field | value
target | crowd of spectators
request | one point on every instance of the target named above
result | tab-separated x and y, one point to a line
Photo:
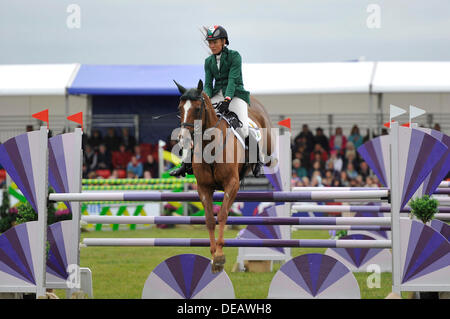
319	160
118	156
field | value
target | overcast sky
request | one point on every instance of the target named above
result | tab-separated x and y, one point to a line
167	32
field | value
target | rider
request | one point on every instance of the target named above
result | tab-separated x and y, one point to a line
225	67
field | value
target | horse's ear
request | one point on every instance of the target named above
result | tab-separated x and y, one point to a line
180	87
200	87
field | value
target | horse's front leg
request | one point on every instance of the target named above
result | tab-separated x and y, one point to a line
206	196
231	188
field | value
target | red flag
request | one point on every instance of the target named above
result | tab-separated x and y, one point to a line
77	118
406	124
285	123
42	116
387	124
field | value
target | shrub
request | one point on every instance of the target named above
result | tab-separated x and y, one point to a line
424	208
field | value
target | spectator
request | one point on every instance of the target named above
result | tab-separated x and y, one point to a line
95	140
299	169
135	167
309	137
321	139
103	158
90	159
316	167
150	167
329	177
338	141
437	127
121	158
351	172
128	140
305	181
111	141
318	149
316	179
138	153
344	179
364	169
336	160
351	159
355	137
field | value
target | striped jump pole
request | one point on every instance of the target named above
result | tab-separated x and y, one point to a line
444	184
281	196
194	242
438	191
355	208
256	220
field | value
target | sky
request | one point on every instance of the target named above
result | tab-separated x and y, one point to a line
168	32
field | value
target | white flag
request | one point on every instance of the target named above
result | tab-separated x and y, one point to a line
395	111
415	112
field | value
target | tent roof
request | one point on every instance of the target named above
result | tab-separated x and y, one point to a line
304	78
134	79
411	77
271	78
36	79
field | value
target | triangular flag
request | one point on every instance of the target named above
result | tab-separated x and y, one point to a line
77	118
388	124
415	112
395	111
407	124
285	123
42	116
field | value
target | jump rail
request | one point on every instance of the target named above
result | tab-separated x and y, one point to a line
281	196
192	242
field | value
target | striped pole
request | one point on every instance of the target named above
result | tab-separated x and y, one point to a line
255	220
283	196
444	184
138	181
194	242
354	208
438	191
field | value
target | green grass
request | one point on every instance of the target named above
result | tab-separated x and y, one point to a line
120	272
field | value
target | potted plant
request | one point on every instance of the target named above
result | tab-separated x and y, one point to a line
424	208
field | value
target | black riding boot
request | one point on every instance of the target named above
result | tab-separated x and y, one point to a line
257	166
182	170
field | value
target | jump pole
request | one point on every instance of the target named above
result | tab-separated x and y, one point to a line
438	191
255	220
192	242
280	196
354	208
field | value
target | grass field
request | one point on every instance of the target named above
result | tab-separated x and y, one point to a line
120	272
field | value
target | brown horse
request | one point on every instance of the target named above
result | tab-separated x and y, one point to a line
227	168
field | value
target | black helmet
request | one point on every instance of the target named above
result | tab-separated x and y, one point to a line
217	32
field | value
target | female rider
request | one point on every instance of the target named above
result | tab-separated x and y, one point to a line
225	67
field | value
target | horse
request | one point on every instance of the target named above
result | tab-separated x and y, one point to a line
228	167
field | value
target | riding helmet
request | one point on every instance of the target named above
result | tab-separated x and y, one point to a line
217	32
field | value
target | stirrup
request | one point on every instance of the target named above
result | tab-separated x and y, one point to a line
257	169
182	170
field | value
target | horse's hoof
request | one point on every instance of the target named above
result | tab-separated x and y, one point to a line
218	264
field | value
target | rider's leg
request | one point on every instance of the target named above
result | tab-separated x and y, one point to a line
239	106
186	165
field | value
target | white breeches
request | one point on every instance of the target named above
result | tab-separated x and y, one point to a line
238	106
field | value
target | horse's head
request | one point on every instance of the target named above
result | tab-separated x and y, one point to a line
192	108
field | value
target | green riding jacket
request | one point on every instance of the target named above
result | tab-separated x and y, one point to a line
228	78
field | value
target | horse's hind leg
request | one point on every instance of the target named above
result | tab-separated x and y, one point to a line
230	191
206	196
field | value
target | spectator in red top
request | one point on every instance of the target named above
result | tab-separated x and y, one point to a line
318	149
121	158
338	141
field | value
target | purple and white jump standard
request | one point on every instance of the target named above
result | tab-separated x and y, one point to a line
264	196
194	242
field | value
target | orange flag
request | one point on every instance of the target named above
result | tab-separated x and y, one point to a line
285	123
42	116
77	118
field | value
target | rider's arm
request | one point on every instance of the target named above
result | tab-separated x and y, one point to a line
235	73
208	80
